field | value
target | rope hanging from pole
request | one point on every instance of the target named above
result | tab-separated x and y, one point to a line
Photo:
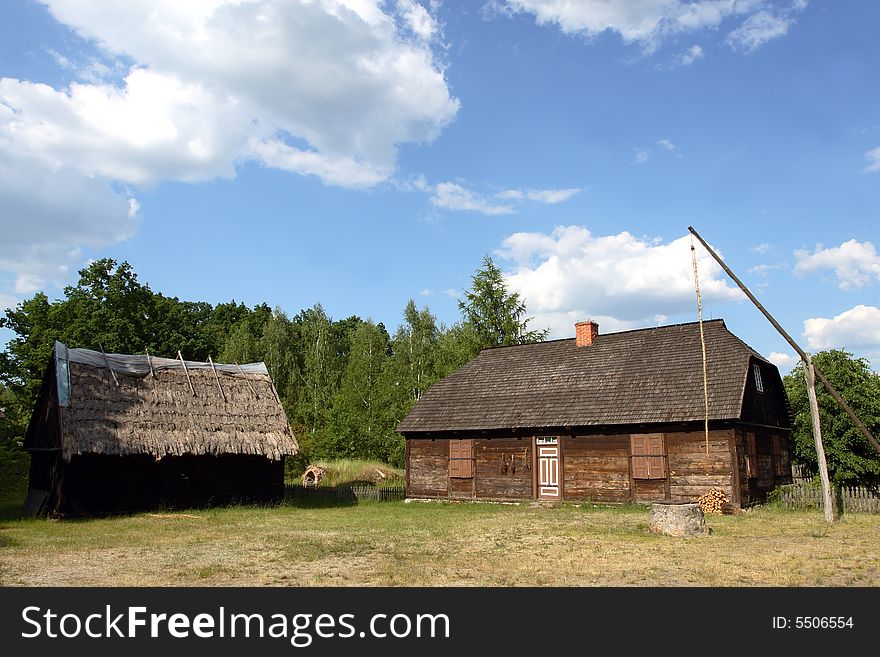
702	343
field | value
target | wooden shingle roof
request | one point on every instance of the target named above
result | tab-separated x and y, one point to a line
644	376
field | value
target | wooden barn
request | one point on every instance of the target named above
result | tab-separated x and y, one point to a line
114	433
614	418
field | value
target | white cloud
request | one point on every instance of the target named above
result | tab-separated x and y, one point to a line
855	263
548	196
426	292
855	329
187	91
570	274
452	293
757	30
328	88
873	158
641	156
667	144
453	196
783	361
763	269
649	22
46	215
417	18
691	55
761	248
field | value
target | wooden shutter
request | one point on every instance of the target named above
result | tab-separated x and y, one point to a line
648	456
461	459
658	456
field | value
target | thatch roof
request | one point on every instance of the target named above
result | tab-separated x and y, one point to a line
650	375
150	408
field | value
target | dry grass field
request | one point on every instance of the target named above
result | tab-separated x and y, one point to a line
438	544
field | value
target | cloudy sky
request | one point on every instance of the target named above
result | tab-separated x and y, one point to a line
359	153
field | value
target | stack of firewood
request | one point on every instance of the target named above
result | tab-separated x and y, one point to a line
713	501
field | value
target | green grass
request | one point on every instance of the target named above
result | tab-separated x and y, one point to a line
14	466
431	544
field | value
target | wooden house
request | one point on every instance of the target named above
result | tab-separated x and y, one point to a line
616	417
116	433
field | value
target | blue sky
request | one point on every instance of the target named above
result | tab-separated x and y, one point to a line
360	153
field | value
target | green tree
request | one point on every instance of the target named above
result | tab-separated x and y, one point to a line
360	419
851	459
496	315
317	371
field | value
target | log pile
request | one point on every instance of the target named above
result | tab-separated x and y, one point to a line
713	501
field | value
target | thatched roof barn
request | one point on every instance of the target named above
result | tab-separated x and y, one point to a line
114	432
610	417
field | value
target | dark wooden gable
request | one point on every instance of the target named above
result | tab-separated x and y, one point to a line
767	405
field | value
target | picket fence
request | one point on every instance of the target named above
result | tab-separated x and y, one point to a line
808	495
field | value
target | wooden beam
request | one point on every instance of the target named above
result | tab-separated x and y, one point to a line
794	345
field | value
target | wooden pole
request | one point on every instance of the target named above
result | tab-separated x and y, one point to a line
217	376
150	362
247	380
794	345
107	362
809	374
702	343
186	371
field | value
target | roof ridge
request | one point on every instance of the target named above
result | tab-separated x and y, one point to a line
635	330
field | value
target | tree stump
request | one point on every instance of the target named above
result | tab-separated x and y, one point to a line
677	519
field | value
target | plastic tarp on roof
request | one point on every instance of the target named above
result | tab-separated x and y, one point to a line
132	365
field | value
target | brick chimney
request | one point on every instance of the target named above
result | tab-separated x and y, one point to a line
585	333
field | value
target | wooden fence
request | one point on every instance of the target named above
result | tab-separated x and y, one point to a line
344	494
808	495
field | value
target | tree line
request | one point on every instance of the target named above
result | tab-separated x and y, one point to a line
345	384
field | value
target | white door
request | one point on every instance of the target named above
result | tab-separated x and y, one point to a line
548	471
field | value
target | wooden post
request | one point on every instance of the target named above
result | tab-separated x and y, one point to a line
810	376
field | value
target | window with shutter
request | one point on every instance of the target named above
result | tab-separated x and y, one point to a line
648	456
461	459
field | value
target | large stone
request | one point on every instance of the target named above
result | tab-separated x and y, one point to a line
674	519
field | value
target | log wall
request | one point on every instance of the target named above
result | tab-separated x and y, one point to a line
428	468
593	467
503	469
596	468
691	473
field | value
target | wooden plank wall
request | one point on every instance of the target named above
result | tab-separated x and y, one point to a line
691	474
503	469
648	490
597	468
428	468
